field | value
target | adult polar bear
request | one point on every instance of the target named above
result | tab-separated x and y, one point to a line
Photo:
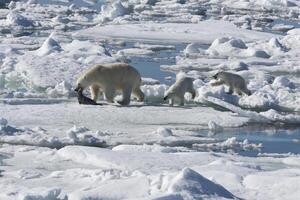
109	78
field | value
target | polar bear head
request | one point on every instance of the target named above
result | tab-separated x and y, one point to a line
82	83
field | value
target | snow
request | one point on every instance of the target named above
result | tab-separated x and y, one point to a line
53	148
88	172
204	32
49	68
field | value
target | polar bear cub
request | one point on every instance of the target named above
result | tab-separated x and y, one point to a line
233	81
110	78
178	89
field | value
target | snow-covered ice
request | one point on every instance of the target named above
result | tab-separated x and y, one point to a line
53	148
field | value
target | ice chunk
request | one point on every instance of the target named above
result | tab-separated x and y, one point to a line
274	43
273	115
63	89
283	82
149	2
282	27
191	50
256	53
231	42
231	144
116	9
238	66
12	5
76	129
134	51
3	122
15	19
49	46
164	132
154	47
214	127
60	19
150	81
32	1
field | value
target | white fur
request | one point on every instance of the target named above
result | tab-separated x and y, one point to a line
178	89
112	77
234	81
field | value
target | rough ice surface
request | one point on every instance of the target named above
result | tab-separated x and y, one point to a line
53	148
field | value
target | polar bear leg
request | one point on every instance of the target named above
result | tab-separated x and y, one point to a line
110	94
139	94
126	95
193	92
171	102
245	90
181	101
217	83
94	92
230	91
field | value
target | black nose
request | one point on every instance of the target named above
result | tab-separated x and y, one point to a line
78	89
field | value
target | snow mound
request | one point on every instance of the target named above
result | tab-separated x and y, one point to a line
229	47
238	66
49	46
274	116
43	194
164	132
116	9
154	92
56	66
14	19
252	52
63	89
276	45
214	127
282	82
225	45
192	185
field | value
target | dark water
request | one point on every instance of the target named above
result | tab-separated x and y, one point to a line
149	66
273	140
